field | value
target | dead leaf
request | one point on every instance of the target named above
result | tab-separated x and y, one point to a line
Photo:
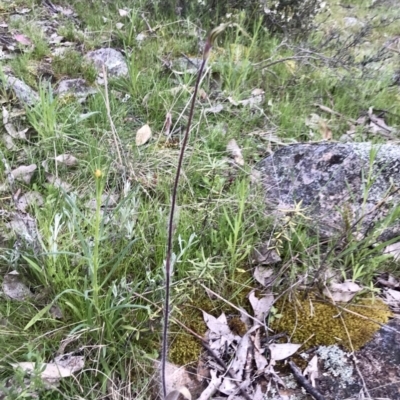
24	226
69	361
23	10
261	306
394	250
264	275
178	378
219	335
312	370
123	13
265	254
140	37
214	109
281	351
325	130
219	326
168	124
64	11
143	135
319	124
229	387
395	294
378	125
22	39
257	97
14	288
234	151
259	358
176	394
63	366
391	282
24	173
212	387
202	94
258	394
239	361
67	159
29	199
58	183
10	129
342	292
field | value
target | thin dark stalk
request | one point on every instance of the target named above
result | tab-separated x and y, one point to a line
171	223
207	48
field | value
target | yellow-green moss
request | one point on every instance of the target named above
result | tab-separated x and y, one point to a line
184	348
322	323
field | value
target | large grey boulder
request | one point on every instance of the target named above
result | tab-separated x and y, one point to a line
338	185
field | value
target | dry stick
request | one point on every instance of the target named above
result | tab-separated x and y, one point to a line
210	40
170	235
304	382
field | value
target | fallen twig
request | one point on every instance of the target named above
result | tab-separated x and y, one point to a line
304	382
333	112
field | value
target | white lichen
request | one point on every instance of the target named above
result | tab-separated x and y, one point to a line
336	363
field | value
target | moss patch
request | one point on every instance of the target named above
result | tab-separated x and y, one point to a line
185	348
321	323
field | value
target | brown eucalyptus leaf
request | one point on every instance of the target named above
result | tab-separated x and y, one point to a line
24	173
143	135
342	292
261	306
67	159
235	152
281	351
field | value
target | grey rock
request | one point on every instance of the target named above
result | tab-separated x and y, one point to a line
339	186
188	65
378	363
77	87
23	92
352	21
112	59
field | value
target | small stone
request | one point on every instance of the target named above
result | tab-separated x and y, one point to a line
112	59
77	87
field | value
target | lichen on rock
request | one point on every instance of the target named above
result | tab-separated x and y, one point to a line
338	185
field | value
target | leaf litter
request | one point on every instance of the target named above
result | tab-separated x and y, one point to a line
235	152
249	358
143	135
14	288
63	366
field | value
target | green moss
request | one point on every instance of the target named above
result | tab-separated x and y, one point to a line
185	348
316	323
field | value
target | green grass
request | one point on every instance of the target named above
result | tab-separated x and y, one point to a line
100	263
